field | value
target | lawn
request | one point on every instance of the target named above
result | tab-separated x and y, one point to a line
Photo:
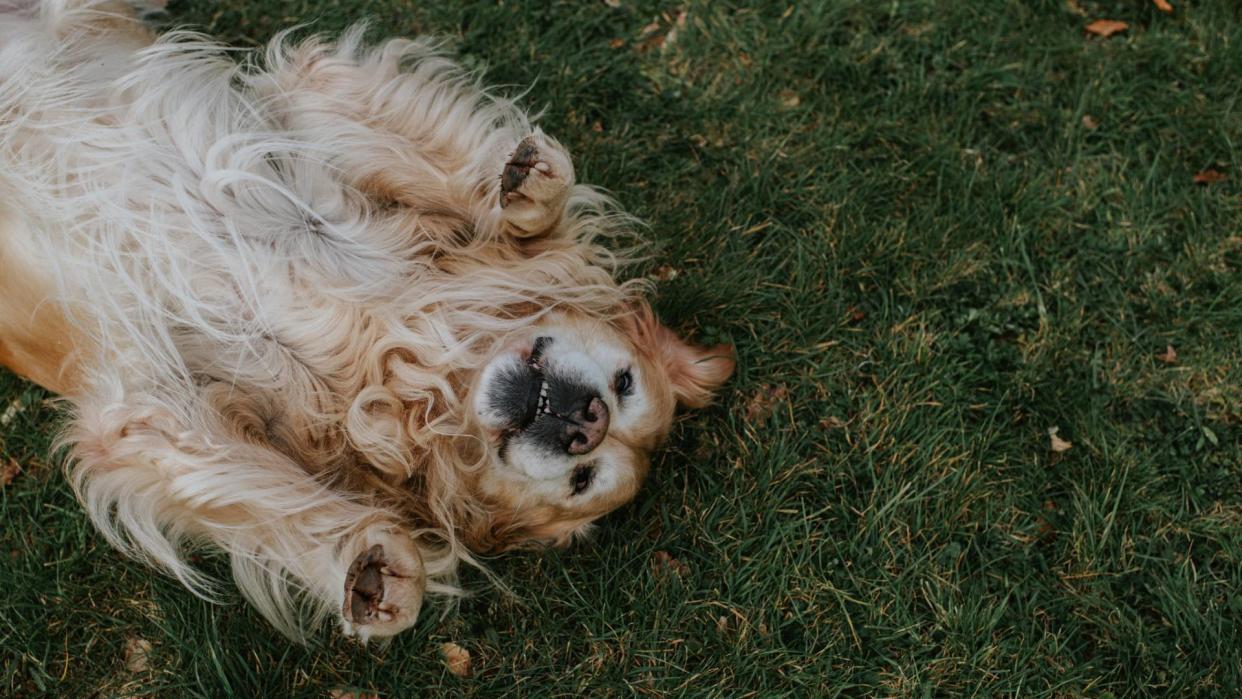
935	231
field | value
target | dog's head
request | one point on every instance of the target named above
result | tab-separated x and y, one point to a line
571	410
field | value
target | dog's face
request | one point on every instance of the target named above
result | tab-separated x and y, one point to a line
571	411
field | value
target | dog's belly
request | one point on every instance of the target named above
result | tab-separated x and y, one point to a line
37	340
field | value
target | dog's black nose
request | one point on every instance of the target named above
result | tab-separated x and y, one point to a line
587	426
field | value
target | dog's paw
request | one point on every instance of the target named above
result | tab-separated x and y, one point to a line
534	186
383	588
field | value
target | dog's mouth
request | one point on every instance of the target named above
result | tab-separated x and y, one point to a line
537	402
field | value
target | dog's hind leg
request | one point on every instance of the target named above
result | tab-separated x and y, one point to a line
406	125
151	482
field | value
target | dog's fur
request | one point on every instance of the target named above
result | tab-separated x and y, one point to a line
281	298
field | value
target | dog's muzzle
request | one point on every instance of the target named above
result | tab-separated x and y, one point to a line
550	409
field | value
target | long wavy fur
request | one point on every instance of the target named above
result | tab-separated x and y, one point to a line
271	325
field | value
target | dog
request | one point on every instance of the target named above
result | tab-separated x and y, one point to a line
331	308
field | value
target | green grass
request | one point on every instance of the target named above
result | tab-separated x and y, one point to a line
926	260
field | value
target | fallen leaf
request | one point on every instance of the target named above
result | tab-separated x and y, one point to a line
760	406
1044	527
137	652
597	127
1058	445
655	42
1106	27
1163	6
1210	176
790	99
616	43
679	21
653	39
665	273
1089	122
662	562
1073	6
8	471
1169	356
456	659
613	3
856	315
351	694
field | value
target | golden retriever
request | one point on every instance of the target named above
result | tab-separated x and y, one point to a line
332	308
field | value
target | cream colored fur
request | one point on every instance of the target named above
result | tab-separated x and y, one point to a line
283	270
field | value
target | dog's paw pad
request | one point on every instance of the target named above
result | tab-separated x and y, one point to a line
534	186
364	586
523	161
381	597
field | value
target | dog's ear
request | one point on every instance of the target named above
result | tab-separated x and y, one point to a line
695	372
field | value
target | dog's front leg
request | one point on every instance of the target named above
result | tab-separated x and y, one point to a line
153	478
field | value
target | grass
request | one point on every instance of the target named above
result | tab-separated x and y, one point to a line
934	230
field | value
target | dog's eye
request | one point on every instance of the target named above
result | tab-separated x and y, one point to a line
582	477
623	384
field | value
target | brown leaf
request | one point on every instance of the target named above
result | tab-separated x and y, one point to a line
665	273
655	42
679	21
1169	356
137	653
613	3
1106	27
351	694
1089	122
1044	527
616	43
722	624
1073	6
1163	6
790	99
1057	444
651	36
456	659
8	471
1210	176
663	563
760	406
